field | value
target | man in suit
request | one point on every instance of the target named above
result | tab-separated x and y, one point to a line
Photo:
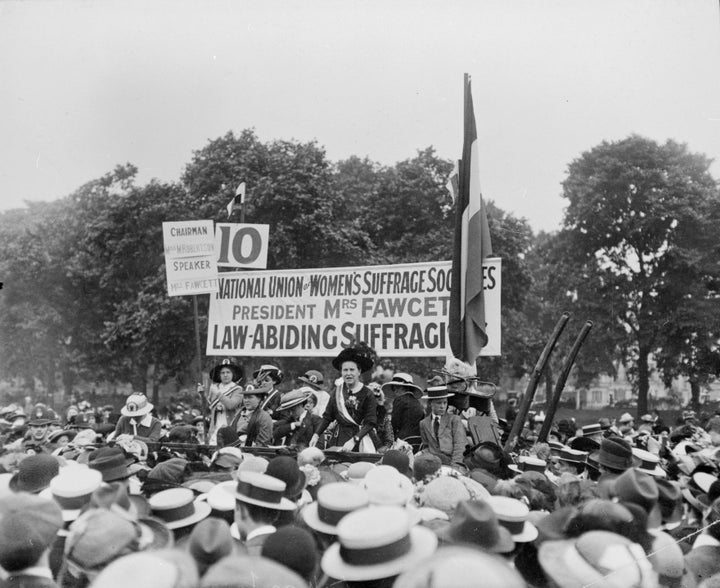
443	434
297	424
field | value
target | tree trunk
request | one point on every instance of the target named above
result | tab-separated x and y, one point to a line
695	394
643	381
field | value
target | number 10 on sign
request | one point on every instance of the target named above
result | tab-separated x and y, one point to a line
242	245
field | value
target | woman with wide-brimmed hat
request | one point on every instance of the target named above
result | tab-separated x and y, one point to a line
137	419
352	406
224	396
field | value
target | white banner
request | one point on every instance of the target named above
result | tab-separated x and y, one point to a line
399	310
190	259
242	245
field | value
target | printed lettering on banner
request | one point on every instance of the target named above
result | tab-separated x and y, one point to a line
190	260
399	310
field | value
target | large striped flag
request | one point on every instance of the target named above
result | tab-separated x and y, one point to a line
472	245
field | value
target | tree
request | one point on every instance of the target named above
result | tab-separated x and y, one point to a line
630	243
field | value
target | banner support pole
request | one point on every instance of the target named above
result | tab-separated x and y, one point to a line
196	320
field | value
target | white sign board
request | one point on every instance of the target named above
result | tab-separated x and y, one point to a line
190	264
399	310
242	245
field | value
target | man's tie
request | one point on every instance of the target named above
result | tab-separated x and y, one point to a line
436	426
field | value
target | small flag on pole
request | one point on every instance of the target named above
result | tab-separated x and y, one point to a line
472	245
232	206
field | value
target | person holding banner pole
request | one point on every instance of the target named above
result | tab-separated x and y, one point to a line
352	406
223	398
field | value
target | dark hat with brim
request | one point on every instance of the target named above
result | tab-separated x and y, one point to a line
474	522
313	378
236	370
56	435
268	370
34	473
615	453
257	390
360	354
111	462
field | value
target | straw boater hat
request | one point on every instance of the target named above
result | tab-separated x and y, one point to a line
513	515
649	463
528	463
334	502
262	490
359	353
177	507
437	393
237	371
313	378
403	380
72	489
592	429
377	542
136	405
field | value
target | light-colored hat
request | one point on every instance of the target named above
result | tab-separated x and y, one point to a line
295	397
377	542
357	471
222	496
403	380
461	567
177	507
703	480
136	405
388	487
513	515
262	490
334	502
72	489
626	418
649	463
437	393
528	463
598	558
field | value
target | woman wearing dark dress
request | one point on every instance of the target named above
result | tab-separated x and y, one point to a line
352	405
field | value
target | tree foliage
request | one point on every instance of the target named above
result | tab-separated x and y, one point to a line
635	244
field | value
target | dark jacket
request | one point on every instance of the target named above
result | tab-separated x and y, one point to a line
301	435
407	412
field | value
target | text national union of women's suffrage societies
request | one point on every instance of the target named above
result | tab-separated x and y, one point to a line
399	310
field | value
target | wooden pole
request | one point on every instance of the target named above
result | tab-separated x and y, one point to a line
197	338
533	382
562	378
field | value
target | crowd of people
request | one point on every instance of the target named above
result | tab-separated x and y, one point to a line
353	484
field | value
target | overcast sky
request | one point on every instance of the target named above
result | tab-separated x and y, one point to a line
87	85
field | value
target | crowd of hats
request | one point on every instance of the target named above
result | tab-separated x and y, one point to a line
610	503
